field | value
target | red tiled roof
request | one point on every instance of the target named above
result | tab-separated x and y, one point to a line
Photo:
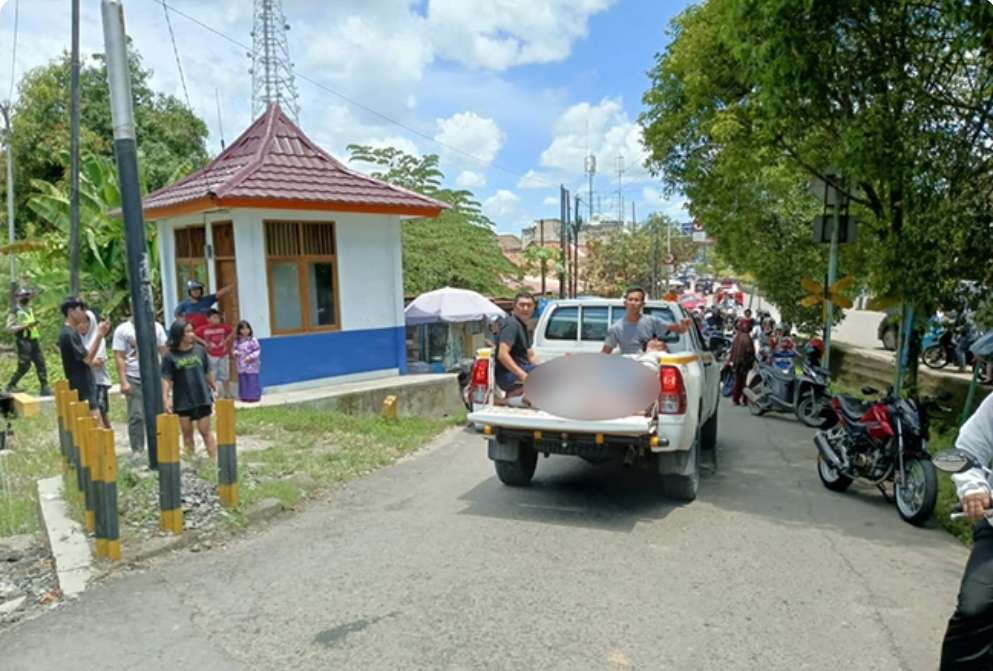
274	165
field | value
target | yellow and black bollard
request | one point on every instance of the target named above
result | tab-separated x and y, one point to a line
61	391
105	490
77	410
170	496
227	454
96	456
85	430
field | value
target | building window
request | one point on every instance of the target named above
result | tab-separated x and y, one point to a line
190	261
302	268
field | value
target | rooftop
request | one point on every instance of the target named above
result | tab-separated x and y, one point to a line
274	165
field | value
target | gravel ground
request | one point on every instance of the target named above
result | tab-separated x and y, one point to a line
27	578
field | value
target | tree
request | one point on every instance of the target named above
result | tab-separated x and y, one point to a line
458	248
752	99
623	258
169	134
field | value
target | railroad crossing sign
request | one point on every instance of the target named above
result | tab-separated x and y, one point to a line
820	293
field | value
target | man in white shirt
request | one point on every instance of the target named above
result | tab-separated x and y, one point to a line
968	640
125	346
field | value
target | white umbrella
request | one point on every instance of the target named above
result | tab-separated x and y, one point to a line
450	305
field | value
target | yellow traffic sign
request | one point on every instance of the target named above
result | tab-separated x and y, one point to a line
818	293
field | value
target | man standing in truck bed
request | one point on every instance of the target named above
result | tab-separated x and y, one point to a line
632	333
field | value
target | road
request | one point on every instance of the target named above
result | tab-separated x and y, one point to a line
433	564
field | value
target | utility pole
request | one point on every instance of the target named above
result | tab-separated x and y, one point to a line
634	218
576	228
563	250
832	274
125	150
590	172
541	257
220	122
74	155
10	202
620	190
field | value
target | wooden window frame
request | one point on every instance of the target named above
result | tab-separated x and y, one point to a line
196	262
302	261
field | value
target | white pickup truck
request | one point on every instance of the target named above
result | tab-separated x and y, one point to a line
667	439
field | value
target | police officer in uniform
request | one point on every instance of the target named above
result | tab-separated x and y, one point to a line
22	323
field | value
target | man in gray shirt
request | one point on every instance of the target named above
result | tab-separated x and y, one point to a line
635	330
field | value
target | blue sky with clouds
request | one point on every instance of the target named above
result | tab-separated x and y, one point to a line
526	87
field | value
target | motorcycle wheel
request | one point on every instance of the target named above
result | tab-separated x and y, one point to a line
917	495
757	409
935	357
830	477
809	411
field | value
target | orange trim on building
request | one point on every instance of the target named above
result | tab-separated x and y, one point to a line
211	203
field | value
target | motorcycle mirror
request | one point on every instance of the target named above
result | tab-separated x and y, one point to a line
869	391
953	460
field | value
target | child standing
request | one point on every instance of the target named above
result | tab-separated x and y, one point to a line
246	353
217	336
186	386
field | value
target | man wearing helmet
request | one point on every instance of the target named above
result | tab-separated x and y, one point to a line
22	324
194	309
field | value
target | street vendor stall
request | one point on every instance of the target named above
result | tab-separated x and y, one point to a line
447	325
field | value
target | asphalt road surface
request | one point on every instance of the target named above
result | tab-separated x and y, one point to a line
433	564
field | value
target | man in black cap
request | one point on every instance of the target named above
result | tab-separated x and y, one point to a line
22	323
76	358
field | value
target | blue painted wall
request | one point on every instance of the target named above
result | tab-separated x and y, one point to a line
297	358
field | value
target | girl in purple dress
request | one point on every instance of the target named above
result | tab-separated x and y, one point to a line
246	355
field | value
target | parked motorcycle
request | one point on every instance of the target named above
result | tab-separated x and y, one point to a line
775	386
878	442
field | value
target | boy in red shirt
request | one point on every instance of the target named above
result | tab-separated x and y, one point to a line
217	337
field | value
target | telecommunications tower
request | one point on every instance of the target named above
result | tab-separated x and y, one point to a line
272	70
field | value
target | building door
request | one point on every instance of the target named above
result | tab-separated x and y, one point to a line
226	270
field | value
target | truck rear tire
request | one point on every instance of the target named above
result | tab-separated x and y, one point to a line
684	487
518	473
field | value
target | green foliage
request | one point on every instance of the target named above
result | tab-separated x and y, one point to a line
170	136
458	248
752	99
103	264
624	258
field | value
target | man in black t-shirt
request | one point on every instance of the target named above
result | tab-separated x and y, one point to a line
515	359
76	358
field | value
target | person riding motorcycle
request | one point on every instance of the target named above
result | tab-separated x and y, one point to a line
968	642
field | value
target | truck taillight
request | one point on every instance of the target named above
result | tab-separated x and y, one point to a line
480	380
672	391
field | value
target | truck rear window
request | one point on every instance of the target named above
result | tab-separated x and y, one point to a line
563	324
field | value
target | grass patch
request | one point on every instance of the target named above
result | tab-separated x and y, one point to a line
315	449
33	453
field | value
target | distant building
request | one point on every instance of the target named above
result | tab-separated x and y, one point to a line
545	231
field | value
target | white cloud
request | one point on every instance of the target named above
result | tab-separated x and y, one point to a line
468	179
552	200
498	34
501	205
606	131
672	207
533	179
467	132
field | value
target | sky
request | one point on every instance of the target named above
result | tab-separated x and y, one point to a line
511	94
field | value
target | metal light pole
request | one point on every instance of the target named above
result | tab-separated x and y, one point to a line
125	149
74	156
10	202
832	273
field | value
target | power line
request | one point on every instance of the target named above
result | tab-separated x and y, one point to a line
175	51
13	55
350	101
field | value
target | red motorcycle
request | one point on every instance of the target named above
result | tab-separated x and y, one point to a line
880	442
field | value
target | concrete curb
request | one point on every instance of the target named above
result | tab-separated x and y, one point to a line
65	538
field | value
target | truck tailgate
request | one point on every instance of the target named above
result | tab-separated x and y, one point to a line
539	420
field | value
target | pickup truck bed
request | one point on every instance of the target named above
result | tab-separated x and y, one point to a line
538	420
